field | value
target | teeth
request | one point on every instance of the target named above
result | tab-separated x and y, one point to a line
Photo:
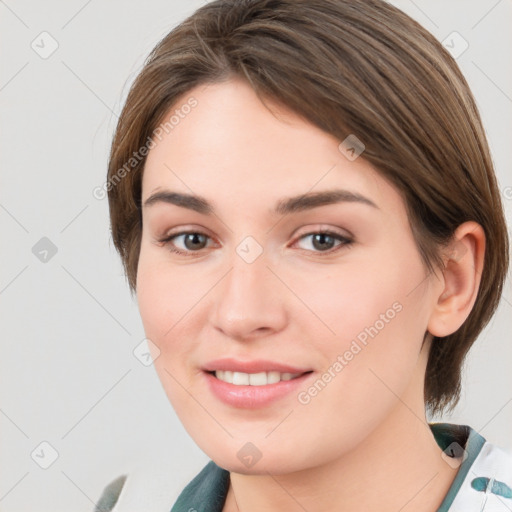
253	379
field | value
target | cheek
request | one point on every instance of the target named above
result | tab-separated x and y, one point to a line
155	300
353	299
377	314
163	300
165	295
172	305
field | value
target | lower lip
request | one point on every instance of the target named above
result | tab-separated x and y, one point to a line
253	397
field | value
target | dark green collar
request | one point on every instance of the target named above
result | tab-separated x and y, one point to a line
207	491
446	434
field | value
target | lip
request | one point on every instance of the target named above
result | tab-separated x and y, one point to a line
253	397
254	366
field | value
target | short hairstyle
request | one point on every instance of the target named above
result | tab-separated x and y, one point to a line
358	67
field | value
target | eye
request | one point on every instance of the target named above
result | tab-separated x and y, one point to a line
193	241
324	241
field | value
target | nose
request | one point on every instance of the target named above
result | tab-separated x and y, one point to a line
250	301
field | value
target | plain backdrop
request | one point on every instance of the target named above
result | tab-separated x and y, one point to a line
69	377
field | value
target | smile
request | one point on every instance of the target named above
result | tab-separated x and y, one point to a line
254	390
253	379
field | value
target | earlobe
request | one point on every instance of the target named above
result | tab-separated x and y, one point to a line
463	265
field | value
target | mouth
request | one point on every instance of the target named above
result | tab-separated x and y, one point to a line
254	379
245	390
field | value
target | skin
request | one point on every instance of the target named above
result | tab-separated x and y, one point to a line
363	441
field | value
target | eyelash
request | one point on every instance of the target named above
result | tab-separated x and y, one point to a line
345	242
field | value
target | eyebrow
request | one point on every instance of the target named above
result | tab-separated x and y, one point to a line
284	206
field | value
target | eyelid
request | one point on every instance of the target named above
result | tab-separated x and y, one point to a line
323	228
182	230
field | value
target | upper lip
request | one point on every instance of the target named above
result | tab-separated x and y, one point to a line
254	366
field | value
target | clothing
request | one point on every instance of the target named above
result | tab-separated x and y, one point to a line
483	482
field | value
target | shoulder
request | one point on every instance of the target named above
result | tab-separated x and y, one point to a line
484	479
149	485
488	484
110	495
493	467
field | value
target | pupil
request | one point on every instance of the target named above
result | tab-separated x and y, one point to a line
322	237
193	237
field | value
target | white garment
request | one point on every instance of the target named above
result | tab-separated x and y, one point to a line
152	487
492	463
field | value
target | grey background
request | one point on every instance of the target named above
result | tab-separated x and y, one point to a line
69	327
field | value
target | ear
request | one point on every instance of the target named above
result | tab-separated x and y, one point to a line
463	264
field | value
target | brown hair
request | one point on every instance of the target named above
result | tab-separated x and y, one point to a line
358	67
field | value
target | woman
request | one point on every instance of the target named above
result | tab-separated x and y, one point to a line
304	202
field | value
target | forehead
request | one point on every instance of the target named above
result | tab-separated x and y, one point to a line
231	147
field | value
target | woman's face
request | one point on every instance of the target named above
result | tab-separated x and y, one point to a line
261	289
